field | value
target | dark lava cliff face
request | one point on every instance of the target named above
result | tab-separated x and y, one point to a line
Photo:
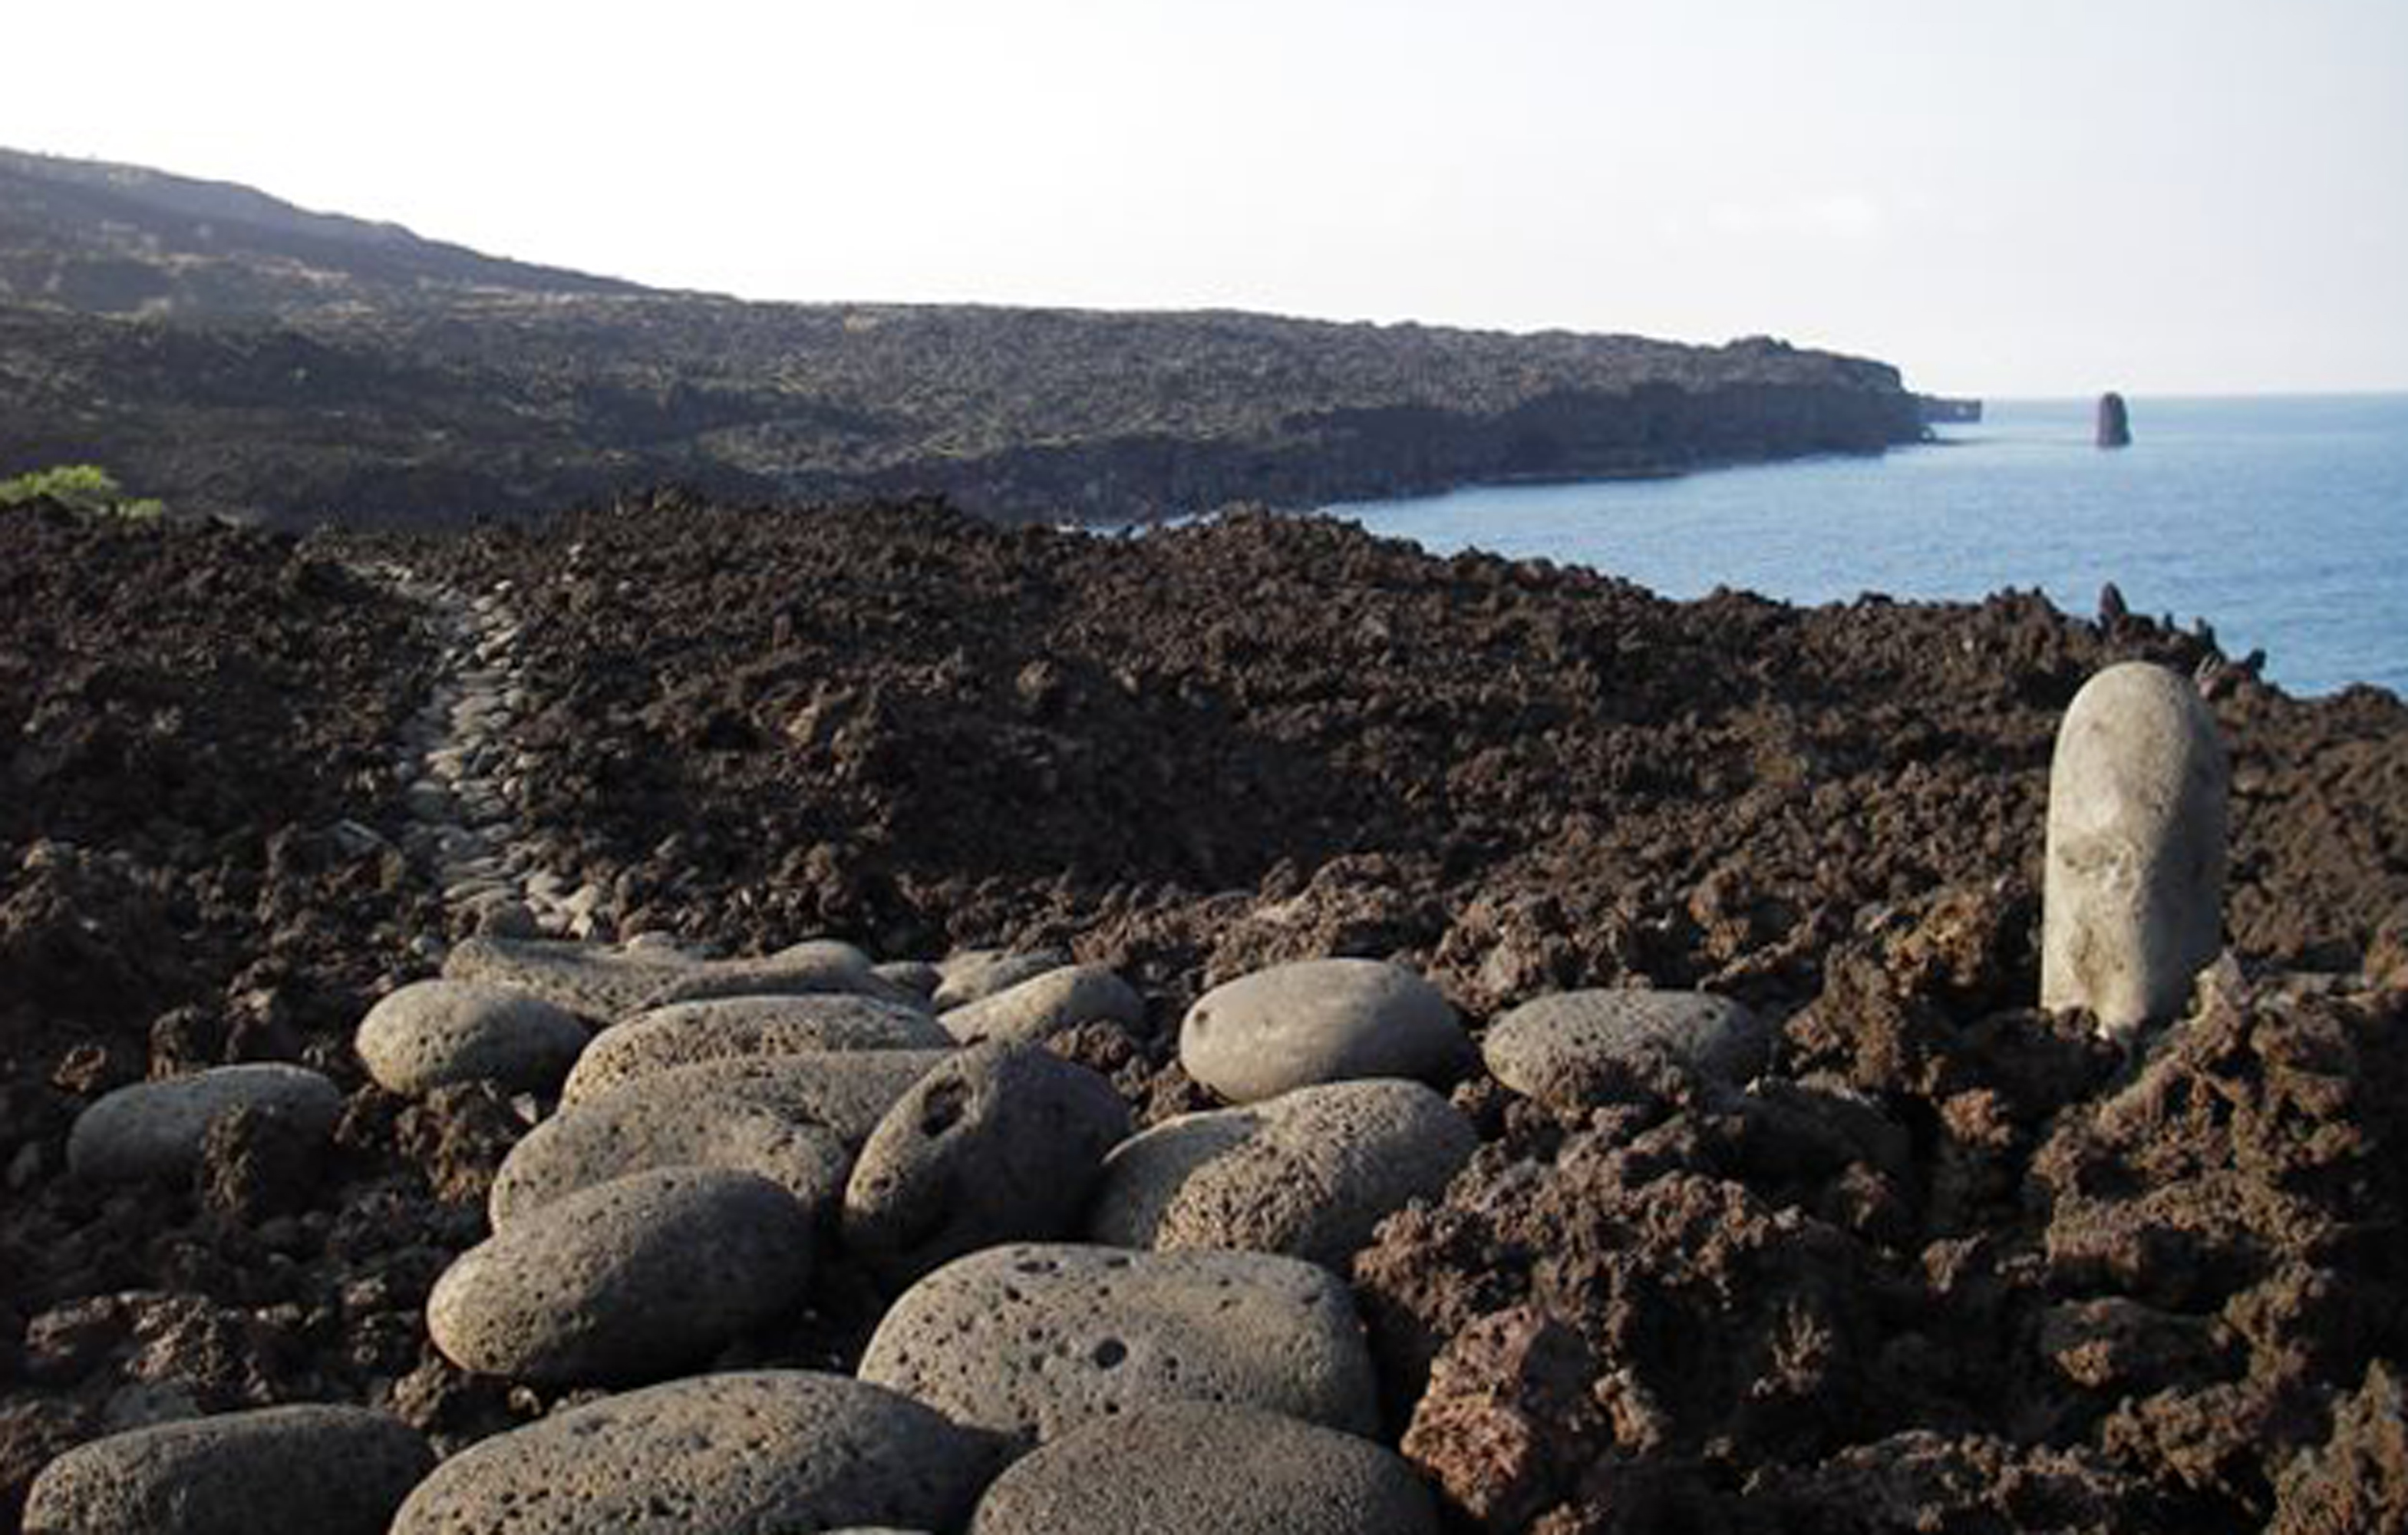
1950	1265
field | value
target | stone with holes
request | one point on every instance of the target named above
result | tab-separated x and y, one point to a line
1308	1173
761	1450
1003	1141
1315	1021
1580	1049
723	1029
629	1279
1178	1467
431	1033
1032	1339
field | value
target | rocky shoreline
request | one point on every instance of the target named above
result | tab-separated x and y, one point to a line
1884	1248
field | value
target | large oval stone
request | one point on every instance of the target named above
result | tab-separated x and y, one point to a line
2132	907
1045	1005
1032	1339
1177	1468
586	979
722	1028
276	1470
1316	1021
765	1451
1002	1142
808	968
1580	1049
970	974
694	1116
1308	1173
432	1033
627	1280
155	1129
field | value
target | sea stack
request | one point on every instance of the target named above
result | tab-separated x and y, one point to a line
2114	422
2131	906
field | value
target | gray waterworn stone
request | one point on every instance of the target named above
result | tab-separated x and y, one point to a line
1315	1021
1045	1005
431	1033
1032	1339
683	1033
586	979
154	1129
916	976
1180	1467
766	1451
1004	1142
2132	902
1580	1049
970	974
810	969
688	1117
1308	1173
276	1470
627	1280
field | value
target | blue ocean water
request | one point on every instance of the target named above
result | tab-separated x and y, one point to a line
2283	521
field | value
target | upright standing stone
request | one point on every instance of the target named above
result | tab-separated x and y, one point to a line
2132	904
2114	422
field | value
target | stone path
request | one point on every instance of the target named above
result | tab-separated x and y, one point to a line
466	778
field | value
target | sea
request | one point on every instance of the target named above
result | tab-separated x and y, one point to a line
2282	521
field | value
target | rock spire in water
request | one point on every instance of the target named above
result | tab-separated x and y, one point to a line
2114	422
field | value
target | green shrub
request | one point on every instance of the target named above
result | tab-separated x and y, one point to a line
85	487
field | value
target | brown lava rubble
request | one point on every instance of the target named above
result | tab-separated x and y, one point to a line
1951	1266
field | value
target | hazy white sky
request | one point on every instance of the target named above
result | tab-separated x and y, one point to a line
2025	196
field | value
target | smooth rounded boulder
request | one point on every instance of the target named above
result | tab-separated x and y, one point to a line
306	1470
626	1281
430	1034
1046	1005
155	1129
722	1028
814	967
1581	1048
1030	1341
763	1450
1002	1142
969	974
1318	1021
690	1117
1309	1173
1181	1466
2132	907
585	978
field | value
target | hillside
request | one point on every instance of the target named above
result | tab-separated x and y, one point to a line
232	353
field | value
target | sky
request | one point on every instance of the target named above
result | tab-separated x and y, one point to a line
2027	197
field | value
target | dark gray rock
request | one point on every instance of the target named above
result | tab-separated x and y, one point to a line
726	1027
1308	1173
973	974
766	1451
155	1129
432	1033
1581	1048
1183	1467
1002	1142
1317	1021
276	1470
1030	1341
1045	1005
628	1280
688	1117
